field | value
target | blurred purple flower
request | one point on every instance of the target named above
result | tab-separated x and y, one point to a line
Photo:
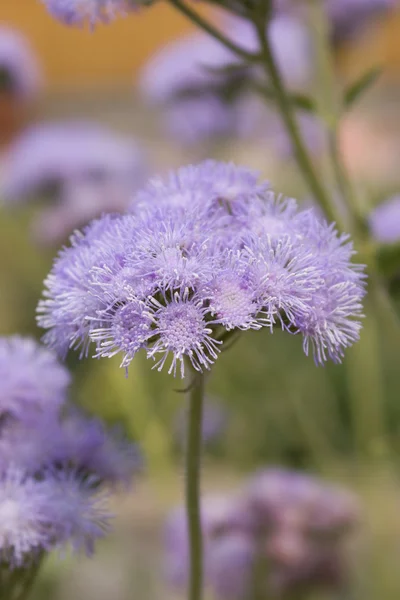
55	463
19	70
80	12
81	200
204	91
31	377
384	221
294	523
48	155
42	514
348	17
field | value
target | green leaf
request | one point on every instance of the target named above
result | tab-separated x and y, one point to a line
304	102
361	85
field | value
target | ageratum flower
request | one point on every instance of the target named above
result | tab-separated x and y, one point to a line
45	157
384	221
20	73
56	464
42	514
32	379
92	12
206	251
204	91
293	523
348	17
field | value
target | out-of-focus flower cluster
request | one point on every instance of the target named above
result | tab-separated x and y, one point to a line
205	92
91	12
81	168
20	74
384	221
56	464
206	252
286	532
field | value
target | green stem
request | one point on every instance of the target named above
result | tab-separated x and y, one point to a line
29	583
283	100
285	108
192	481
213	31
330	102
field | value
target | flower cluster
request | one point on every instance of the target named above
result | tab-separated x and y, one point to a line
82	168
348	17
286	532
205	91
92	12
205	252
384	221
55	463
19	71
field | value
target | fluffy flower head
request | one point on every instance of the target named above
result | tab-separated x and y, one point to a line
207	250
32	379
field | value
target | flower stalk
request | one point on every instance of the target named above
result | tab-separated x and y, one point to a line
192	482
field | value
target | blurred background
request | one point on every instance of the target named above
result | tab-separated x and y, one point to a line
78	134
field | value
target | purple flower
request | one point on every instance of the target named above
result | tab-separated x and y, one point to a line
384	221
203	90
31	377
42	514
209	249
348	17
77	510
24	517
79	201
80	12
202	188
180	325
45	157
19	71
292	524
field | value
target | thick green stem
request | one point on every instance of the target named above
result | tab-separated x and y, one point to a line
213	31
285	108
192	481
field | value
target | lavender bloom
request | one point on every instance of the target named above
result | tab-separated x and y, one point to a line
80	12
31	378
47	156
204	91
208	250
41	514
219	515
348	17
19	71
78	511
80	201
55	464
384	221
24	523
43	441
293	522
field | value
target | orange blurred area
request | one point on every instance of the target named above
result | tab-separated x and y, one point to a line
379	46
77	57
